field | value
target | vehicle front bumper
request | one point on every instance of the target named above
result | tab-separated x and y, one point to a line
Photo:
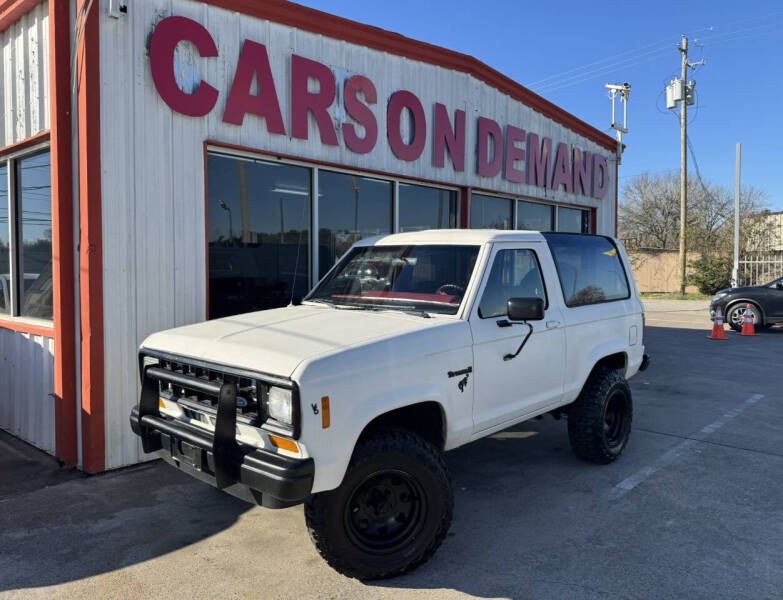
252	474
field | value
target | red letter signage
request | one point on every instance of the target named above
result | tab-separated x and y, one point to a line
514	153
582	174
538	160
168	33
487	128
562	175
303	101
446	137
400	101
254	61
600	176
361	114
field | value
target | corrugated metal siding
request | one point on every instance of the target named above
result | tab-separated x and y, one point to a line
24	75
27	387
153	167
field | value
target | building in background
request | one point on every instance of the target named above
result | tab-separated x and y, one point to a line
208	158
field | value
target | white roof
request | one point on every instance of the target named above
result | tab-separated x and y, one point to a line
452	236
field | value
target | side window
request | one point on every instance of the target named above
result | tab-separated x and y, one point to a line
589	268
514	274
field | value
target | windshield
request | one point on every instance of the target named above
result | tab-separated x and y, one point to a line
422	278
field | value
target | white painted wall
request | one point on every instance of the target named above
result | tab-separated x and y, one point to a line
24	77
26	361
153	167
27	387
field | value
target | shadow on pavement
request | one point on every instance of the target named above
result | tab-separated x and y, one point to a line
58	525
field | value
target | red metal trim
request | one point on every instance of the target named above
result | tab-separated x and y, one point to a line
25	327
316	21
206	227
465	194
91	243
12	10
38	138
62	234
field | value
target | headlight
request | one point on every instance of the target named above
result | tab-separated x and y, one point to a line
279	405
719	296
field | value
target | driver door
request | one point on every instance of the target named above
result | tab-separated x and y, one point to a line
507	390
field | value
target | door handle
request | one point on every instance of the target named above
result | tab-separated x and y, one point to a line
552	324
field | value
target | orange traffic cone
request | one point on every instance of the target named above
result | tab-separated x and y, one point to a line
748	328
718	333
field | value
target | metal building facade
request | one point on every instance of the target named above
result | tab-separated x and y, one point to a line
136	203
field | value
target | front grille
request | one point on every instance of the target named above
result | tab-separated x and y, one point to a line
196	388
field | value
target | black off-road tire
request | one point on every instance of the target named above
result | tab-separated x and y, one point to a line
384	456
593	438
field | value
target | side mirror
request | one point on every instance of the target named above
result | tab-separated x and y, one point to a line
525	309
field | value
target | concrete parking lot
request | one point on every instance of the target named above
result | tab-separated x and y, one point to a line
692	510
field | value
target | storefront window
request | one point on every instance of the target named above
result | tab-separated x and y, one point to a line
350	208
490	212
34	182
424	207
259	234
5	256
535	216
573	220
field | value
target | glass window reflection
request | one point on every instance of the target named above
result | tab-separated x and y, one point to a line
34	183
350	208
490	212
423	207
5	255
259	234
535	216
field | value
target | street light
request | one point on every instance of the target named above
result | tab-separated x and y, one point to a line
225	207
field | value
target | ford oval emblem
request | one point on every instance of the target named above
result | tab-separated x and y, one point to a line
241	402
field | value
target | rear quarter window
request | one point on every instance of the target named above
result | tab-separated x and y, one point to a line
589	268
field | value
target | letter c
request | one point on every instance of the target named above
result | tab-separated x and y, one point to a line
168	33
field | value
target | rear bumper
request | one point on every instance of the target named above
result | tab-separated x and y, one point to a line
255	475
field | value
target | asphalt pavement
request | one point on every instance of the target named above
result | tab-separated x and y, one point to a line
691	510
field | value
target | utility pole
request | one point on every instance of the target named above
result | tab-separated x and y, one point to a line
683	165
738	167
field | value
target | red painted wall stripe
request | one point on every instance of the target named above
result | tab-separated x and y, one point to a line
315	21
62	233
38	138
90	243
26	327
12	10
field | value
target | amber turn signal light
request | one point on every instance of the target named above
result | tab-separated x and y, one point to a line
284	443
325	417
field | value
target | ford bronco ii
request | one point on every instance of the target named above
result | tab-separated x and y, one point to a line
412	344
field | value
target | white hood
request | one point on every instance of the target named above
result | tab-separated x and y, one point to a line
277	341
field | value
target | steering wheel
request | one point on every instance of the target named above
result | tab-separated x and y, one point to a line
450	289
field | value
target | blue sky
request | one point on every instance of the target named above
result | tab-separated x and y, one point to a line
739	91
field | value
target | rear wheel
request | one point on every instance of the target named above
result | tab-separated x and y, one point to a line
599	421
735	316
391	512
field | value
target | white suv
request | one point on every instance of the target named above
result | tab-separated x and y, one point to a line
411	345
